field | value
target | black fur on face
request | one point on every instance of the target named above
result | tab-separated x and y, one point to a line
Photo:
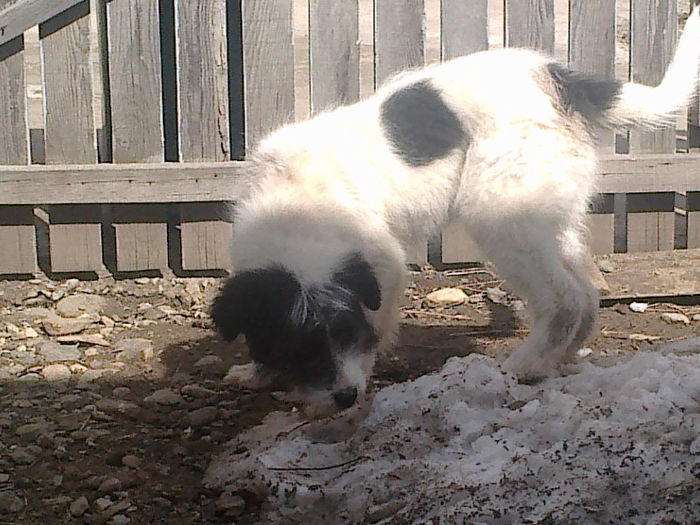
297	331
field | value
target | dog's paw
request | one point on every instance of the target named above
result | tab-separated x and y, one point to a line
247	377
527	369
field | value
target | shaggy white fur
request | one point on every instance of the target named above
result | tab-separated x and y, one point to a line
516	167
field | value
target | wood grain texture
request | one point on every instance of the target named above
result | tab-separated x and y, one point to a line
530	23
601	232
694	229
592	47
203	246
268	62
141	247
654	30
16	16
650	231
202	77
123	183
334	53
14	133
17	238
399	36
75	248
67	81
464	27
135	80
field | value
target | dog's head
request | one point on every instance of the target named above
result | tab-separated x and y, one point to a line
316	339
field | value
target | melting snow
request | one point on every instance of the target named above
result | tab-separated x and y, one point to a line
470	444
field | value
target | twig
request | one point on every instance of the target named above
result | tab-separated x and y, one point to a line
329	467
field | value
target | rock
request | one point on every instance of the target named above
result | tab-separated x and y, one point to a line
131	461
210	365
29	333
81	303
198	391
447	297
231	504
71	284
86	339
56	372
52	351
605	266
496	295
121	391
4	478
22	456
672	317
696	317
584	352
56	325
10	503
79	506
202	416
164	396
31	431
135	349
119	519
639	308
109	485
103	503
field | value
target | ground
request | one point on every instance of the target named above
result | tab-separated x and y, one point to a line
111	404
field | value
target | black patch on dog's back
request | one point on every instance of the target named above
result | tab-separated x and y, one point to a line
420	126
586	95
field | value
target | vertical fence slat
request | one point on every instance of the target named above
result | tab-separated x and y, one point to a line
205	237
268	60
202	80
592	47
335	53
464	30
653	39
530	23
464	27
135	80
203	111
69	128
399	36
67	81
18	255
135	94
14	137
693	207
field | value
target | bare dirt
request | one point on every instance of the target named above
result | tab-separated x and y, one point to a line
117	422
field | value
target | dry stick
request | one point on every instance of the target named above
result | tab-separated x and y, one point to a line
329	467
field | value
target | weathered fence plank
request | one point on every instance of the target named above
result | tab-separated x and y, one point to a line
143	245
654	29
464	27
18	16
69	133
203	111
135	80
334	53
530	23
268	60
205	237
18	254
399	36
202	80
75	243
14	133
592	47
136	113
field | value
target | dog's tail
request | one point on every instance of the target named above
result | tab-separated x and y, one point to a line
652	107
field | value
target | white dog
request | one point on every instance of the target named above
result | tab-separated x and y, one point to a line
499	142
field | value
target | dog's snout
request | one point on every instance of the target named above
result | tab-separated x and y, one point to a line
346	397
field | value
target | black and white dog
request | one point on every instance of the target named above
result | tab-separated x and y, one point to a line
499	142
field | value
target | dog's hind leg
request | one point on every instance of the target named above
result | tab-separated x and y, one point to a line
530	255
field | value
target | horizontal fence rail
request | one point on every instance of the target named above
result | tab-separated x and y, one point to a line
146	109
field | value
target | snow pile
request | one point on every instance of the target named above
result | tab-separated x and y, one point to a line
469	443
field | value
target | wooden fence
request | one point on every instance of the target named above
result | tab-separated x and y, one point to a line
137	179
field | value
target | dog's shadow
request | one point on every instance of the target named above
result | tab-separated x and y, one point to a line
424	349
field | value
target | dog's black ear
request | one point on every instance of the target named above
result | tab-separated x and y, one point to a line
357	276
254	302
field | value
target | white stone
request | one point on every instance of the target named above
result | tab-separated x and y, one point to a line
447	297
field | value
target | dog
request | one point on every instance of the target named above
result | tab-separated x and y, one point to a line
500	142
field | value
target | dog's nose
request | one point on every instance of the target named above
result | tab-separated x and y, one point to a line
346	397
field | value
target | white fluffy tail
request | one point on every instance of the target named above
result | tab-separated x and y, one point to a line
653	107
